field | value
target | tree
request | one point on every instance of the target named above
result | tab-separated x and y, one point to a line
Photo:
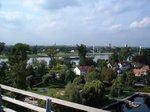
130	78
17	72
147	79
51	52
90	62
93	93
3	68
48	78
144	57
73	92
40	67
101	63
69	76
118	85
82	51
125	53
2	45
34	50
114	58
108	74
93	75
79	80
30	81
18	53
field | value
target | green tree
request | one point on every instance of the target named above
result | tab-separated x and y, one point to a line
147	79
51	52
144	57
73	92
130	78
49	78
40	67
101	63
118	85
30	81
69	76
108	74
125	53
93	93
82	51
79	80
18	53
3	68
93	75
17	72
2	45
114	57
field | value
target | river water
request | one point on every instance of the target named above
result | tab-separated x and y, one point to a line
144	107
47	59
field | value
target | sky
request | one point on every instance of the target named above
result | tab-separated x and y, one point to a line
71	22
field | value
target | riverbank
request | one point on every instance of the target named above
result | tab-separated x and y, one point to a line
61	54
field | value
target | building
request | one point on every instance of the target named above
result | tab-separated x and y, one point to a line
81	70
141	72
124	66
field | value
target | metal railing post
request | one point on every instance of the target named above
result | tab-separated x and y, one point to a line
0	100
48	105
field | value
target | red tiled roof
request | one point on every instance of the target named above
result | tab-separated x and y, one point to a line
137	71
145	68
84	68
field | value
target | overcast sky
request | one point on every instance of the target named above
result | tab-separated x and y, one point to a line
71	22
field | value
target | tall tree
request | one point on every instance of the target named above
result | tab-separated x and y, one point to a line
108	74
144	57
125	53
130	78
93	93
69	76
93	75
3	68
2	45
51	52
114	57
17	73
82	51
118	85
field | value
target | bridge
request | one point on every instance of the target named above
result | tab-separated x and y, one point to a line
121	100
49	101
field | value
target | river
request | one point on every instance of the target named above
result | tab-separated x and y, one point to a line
47	59
144	107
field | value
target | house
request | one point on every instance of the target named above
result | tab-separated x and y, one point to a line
136	65
124	66
145	70
137	72
81	70
141	72
114	66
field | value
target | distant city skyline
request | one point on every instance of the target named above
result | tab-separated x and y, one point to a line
71	22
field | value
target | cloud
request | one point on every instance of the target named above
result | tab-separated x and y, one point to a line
50	4
145	22
116	27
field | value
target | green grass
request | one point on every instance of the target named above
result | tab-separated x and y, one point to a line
53	90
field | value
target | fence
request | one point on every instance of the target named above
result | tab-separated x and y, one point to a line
48	100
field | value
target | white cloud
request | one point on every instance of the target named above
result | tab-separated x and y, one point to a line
116	27
145	22
10	16
49	4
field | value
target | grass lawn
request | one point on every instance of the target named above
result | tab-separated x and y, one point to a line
53	90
